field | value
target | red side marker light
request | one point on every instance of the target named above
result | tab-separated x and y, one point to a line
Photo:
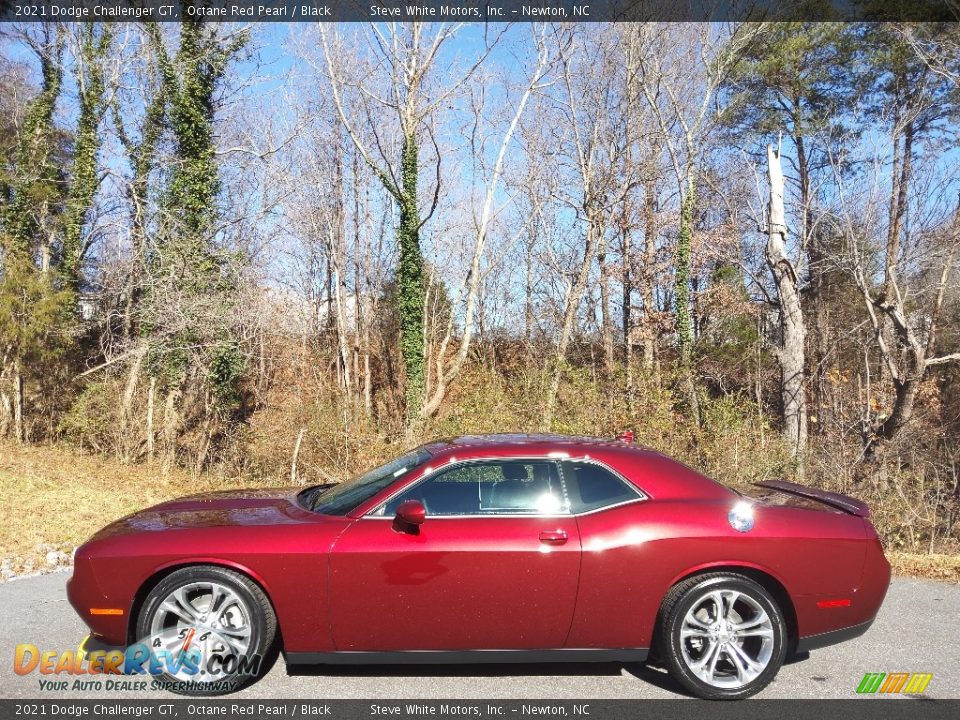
843	602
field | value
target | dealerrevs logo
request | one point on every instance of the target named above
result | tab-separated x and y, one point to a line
894	683
187	664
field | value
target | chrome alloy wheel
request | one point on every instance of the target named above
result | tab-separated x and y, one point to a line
206	616
726	639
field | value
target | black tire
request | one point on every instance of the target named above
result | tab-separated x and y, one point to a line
691	592
262	621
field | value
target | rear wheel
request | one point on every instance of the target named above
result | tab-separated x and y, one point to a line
722	636
210	629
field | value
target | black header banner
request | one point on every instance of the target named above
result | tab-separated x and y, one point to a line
477	10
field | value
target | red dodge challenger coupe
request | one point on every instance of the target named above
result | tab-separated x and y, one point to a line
503	548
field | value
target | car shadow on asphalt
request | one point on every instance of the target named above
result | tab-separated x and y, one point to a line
647	673
651	672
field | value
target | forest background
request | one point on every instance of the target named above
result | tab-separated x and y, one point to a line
269	254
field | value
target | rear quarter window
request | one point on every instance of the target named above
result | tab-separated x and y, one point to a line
592	487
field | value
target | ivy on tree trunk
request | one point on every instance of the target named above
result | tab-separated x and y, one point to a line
410	280
681	280
189	207
35	182
86	145
35	315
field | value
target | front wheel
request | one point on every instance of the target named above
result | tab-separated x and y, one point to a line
209	630
722	635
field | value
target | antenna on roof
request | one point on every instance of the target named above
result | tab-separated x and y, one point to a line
626	437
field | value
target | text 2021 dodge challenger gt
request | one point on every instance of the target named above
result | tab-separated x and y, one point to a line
490	548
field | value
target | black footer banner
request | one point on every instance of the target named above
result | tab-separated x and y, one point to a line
681	709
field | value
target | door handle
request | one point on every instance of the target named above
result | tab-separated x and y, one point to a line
553	537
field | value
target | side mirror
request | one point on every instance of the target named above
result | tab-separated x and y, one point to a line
412	512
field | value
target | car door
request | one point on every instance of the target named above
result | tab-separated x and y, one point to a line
614	524
494	566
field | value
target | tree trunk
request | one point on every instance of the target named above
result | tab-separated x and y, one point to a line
906	363
6	412
343	334
123	444
337	252
899	190
141	158
528	295
627	300
410	281
815	245
367	388
171	423
151	395
569	316
359	319
6	403
683	322
792	333
649	258
428	378
45	251
86	145
294	473
207	442
606	322
683	319
19	431
328	320
820	341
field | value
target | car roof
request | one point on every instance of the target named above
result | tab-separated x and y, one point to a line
658	475
494	440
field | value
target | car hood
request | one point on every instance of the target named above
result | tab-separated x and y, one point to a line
270	506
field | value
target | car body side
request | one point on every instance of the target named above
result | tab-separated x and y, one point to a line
824	565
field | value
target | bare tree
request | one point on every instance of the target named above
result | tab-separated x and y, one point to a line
583	105
790	350
903	280
403	82
680	70
468	291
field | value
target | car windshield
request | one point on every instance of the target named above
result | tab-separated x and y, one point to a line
348	496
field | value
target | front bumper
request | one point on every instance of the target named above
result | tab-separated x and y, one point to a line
86	597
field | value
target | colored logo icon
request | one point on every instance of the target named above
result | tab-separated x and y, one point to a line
894	683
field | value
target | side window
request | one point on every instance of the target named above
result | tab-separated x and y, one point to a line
591	487
496	488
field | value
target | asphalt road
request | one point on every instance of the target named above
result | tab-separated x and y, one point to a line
917	631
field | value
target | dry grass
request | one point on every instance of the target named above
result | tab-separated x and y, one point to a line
52	498
930	567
